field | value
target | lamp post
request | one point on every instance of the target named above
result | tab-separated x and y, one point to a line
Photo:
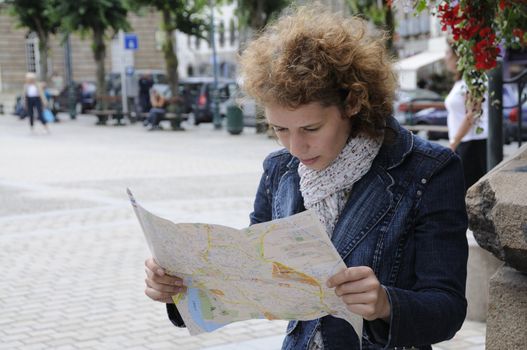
495	121
72	100
216	119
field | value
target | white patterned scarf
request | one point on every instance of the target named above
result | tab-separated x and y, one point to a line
327	190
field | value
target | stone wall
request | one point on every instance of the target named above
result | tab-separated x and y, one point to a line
497	209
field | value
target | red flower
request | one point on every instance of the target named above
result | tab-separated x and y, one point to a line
486	51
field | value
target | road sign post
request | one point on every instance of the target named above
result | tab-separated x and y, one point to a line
130	43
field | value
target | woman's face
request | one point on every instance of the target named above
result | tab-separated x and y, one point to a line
313	133
451	60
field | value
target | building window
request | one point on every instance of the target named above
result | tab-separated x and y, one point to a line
32	53
232	32
221	31
198	42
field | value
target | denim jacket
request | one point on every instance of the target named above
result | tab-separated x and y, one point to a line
406	219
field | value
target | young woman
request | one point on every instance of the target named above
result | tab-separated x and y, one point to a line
392	203
462	129
34	100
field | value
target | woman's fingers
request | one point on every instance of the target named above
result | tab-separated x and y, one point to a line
159	285
362	292
165	279
159	296
357	287
349	275
153	266
164	288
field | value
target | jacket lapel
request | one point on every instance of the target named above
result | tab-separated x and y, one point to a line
369	201
290	199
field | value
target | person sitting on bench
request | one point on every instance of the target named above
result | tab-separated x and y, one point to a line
157	112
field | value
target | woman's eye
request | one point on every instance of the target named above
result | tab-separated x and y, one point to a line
311	129
277	129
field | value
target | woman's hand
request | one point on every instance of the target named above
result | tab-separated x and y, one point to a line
160	286
362	292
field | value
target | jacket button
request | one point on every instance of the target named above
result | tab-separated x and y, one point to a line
423	181
267	178
419	193
267	190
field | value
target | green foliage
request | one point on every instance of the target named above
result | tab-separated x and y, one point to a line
380	13
368	9
36	16
95	17
257	13
186	16
92	15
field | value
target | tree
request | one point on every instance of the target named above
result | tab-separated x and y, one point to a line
257	13
380	13
94	17
37	16
184	16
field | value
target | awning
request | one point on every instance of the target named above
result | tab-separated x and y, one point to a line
407	68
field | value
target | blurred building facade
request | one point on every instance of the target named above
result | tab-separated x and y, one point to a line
19	50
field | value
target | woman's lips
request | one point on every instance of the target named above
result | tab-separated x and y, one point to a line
309	161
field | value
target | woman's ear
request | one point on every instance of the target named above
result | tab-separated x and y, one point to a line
352	110
352	105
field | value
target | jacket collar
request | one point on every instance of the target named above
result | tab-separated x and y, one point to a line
397	145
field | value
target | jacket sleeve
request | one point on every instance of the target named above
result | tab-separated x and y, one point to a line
434	308
263	201
175	316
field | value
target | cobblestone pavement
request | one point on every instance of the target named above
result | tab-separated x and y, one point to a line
71	257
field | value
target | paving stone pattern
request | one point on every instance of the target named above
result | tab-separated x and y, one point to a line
72	252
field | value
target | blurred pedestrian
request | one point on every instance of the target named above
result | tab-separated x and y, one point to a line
157	111
392	203
145	84
466	132
35	101
57	84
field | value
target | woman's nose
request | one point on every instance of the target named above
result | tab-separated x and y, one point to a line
297	145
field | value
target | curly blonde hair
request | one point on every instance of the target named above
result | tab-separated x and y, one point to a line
313	55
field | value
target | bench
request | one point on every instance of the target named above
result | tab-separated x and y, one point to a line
104	115
173	118
108	107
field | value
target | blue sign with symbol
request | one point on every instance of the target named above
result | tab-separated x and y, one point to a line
131	42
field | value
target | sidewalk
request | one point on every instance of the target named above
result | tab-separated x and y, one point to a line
72	251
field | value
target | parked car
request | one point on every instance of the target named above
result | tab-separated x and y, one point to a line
511	127
437	116
410	101
432	116
198	98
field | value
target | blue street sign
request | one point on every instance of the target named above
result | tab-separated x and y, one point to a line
131	42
